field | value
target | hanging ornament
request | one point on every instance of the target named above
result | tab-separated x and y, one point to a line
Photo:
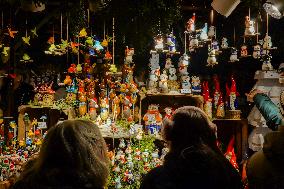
266	65
193	43
191	24
224	44
171	42
6	51
234	55
27	38
244	51
203	34
212	32
256	51
159	43
211	60
83	33
26	58
250	27
34	32
11	33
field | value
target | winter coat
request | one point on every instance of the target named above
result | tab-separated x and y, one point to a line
197	168
265	169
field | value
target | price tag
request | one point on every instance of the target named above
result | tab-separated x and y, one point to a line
185	91
42	125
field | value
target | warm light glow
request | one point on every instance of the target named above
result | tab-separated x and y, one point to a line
272	10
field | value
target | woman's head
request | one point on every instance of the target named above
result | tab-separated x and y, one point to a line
73	148
189	126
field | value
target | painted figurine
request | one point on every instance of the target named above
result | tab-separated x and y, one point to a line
196	88
212	32
224	44
234	55
220	112
153	119
256	51
185	84
159	43
169	113
249	30
191	24
203	34
171	42
207	99
163	83
244	51
193	43
211	60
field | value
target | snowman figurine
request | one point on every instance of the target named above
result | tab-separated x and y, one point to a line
159	43
211	60
266	65
203	35
211	32
168	63
172	74
244	51
163	83
249	27
256	51
234	55
267	43
193	43
224	44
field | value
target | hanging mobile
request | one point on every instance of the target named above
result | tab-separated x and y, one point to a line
234	51
26	58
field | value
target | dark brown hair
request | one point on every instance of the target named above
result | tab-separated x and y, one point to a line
73	153
190	126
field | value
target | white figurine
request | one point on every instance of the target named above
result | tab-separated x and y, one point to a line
153	80
185	83
266	65
211	32
193	43
154	62
234	55
159	43
203	35
256	51
163	83
267	43
183	60
244	51
224	44
249	26
211	60
168	63
172	74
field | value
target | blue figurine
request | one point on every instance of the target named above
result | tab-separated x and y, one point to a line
98	45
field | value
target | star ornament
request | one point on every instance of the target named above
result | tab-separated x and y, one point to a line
26	40
11	33
33	31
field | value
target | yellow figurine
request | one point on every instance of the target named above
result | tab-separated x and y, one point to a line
30	133
26	40
5	51
33	31
104	43
83	33
21	143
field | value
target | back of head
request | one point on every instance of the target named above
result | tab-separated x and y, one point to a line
190	126
73	154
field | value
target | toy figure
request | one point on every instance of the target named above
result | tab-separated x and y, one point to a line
129	52
183	70
234	55
152	86
267	43
244	51
127	108
153	119
224	44
172	74
163	83
154	61
211	60
191	24
104	105
249	26
79	68
184	60
159	43
93	105
168	63
169	113
185	84
215	45
211	32
82	108
220	112
171	42
72	68
207	99
266	65
193	43
98	46
203	35
122	143
233	94
196	84
256	51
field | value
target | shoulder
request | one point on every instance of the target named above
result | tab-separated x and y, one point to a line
157	178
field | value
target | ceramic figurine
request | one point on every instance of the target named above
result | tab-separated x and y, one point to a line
152	85
122	143
215	45
82	108
207	99
212	32
250	30
224	44
193	43
163	83
195	81
104	105
191	24
266	65
171	42
234	55
137	154
98	46
154	62
220	112
203	35
118	184
72	68
172	74
159	43
233	95
244	51
127	108
256	51
183	70
230	154
79	68
267	43
185	84
169	113
217	91
153	119
211	60
184	60
168	63
93	105
129	52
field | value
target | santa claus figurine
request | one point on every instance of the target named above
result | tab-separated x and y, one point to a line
169	113
191	24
